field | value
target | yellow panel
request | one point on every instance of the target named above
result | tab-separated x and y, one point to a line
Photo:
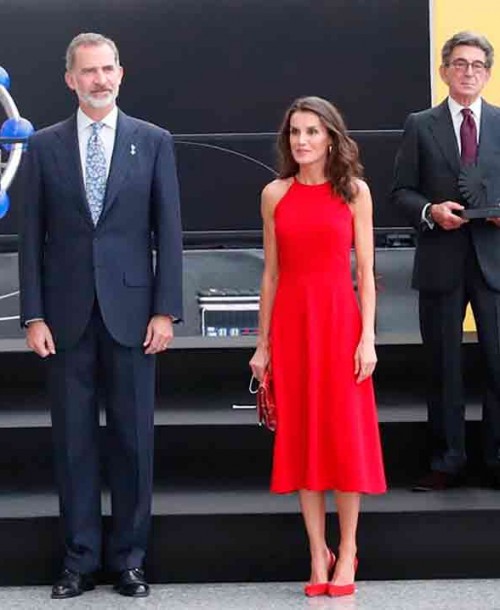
469	322
452	16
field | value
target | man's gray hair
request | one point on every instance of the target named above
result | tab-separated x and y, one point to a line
468	39
88	39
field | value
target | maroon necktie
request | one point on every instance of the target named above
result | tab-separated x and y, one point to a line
468	138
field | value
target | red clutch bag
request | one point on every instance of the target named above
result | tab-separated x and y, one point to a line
266	406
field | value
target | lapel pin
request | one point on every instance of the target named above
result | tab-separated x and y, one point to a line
133	149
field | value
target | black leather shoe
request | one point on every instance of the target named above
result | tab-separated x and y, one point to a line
71	584
132	583
438	481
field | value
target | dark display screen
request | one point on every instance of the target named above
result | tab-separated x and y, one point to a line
231	67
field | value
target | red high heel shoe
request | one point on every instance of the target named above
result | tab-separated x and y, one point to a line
341	590
321	588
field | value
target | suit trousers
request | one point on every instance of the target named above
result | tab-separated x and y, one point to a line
441	325
98	368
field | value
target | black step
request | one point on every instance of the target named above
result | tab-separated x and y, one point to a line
248	534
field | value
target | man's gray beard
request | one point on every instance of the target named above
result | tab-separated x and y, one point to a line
100	102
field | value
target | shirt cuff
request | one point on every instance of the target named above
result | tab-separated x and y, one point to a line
28	322
426	219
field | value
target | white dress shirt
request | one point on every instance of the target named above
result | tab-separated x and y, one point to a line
107	135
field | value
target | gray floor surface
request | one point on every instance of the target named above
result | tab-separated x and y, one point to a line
396	595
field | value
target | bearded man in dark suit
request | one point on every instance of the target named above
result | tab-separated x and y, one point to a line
99	189
450	154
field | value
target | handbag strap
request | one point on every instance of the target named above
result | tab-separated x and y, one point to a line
253	386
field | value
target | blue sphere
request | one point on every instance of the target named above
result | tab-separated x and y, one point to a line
4	203
16	128
4	78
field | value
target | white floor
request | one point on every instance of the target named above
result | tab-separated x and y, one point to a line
397	595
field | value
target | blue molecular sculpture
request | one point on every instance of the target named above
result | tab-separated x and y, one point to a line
4	203
14	128
4	78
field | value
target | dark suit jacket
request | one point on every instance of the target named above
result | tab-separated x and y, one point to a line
426	170
66	262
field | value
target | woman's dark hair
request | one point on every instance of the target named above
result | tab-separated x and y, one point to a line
342	164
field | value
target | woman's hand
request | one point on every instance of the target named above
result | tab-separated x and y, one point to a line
365	359
259	361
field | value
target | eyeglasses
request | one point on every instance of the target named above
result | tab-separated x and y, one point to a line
462	65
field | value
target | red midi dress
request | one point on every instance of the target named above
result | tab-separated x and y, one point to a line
327	435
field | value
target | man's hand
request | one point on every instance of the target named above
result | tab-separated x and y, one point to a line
39	339
442	214
159	334
495	221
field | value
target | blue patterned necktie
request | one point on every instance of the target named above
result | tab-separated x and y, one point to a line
95	172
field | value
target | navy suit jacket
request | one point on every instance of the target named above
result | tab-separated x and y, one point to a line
427	169
66	262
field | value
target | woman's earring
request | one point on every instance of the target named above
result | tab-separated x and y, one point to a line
330	149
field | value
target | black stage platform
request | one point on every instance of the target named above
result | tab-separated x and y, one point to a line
214	519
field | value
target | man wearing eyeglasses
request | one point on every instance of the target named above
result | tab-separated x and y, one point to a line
457	261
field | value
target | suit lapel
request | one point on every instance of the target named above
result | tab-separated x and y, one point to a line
441	126
69	163
487	133
121	159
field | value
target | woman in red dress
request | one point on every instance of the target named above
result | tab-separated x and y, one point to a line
319	339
